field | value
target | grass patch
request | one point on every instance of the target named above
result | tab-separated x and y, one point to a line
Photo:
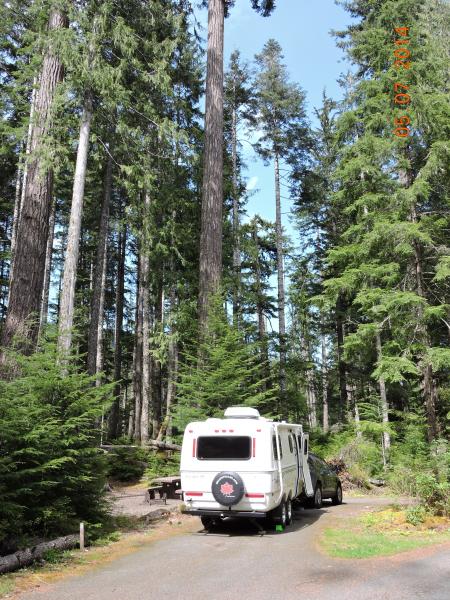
383	533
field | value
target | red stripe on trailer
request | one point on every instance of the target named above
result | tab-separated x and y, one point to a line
193	493
194	447
254	495
254	447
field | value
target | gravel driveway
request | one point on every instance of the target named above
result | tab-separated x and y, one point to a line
235	563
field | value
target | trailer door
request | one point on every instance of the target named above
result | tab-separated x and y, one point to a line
298	458
303	441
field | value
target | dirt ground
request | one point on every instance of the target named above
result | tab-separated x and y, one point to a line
134	502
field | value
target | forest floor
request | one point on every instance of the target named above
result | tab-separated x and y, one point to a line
177	555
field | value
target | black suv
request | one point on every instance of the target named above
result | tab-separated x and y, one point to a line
325	482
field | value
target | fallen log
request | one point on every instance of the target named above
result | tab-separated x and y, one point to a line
377	482
23	558
151	443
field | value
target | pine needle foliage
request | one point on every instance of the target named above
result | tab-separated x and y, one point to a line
228	373
52	473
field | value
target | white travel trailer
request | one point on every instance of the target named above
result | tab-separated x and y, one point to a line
244	465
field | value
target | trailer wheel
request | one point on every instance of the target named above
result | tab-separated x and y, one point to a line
288	511
209	522
337	498
279	514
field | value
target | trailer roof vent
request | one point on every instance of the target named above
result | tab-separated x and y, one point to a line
241	412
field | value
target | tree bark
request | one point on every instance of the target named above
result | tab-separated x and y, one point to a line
157	391
73	239
383	398
22	171
27	277
236	225
429	385
48	268
101	312
98	280
342	370
281	294
114	421
146	357
212	190
325	415
137	367
262	334
24	558
172	382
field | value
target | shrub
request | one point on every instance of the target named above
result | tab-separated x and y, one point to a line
415	515
52	474
127	464
160	464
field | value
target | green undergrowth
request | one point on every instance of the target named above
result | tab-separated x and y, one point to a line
384	533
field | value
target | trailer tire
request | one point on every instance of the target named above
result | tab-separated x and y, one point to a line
227	488
209	522
279	514
288	511
337	498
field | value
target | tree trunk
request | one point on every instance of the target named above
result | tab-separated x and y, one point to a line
236	226
73	238
383	398
172	382
212	190
281	295
114	421
146	357
357	418
24	558
429	386
310	388
156	366
137	367
101	312
22	171
27	277
342	370
325	416
98	280
48	268
262	334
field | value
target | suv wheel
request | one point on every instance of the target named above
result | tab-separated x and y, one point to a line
337	498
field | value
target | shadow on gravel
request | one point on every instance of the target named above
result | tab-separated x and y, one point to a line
235	527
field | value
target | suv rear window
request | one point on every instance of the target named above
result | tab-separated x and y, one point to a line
224	447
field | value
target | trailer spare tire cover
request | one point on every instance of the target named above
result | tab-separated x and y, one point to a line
227	488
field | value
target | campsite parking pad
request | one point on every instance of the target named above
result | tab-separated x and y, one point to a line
234	562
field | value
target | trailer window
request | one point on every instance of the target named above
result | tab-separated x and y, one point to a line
275	450
224	447
291	445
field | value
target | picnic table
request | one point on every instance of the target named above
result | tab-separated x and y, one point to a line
169	487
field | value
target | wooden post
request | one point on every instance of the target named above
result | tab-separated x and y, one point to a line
81	536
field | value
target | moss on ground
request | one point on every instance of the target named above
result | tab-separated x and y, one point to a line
383	533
